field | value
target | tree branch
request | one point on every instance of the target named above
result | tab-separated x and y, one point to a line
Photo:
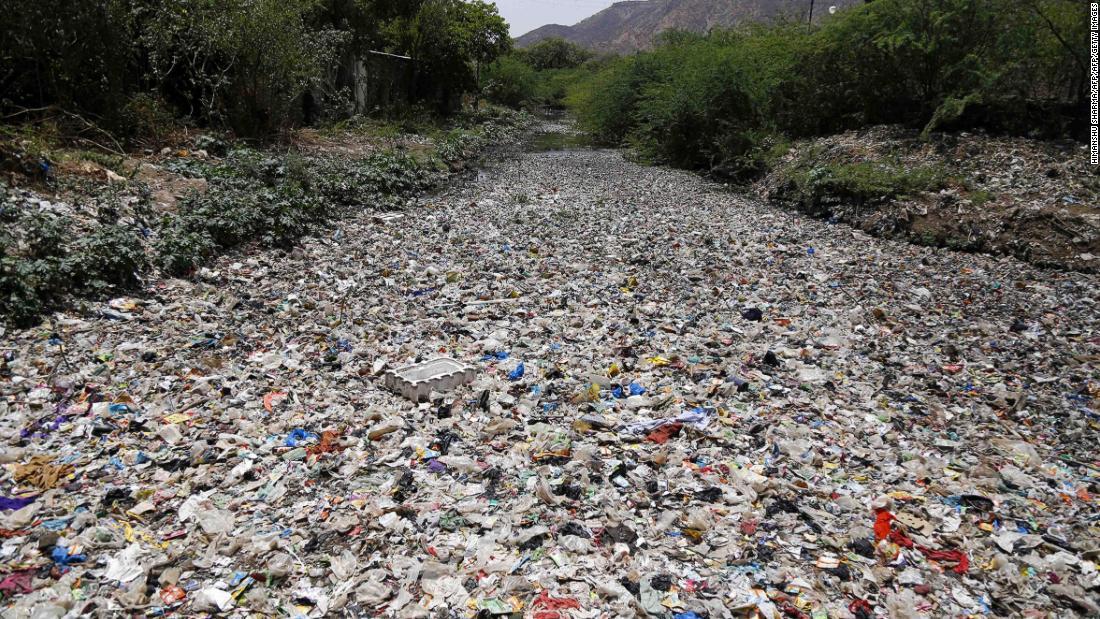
1078	59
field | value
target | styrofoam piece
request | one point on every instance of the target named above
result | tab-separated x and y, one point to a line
418	380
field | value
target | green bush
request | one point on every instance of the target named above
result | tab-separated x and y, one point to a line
42	267
33	268
511	82
72	54
817	188
254	197
606	103
701	116
554	53
555	85
22	296
716	102
696	102
180	248
110	257
277	201
379	178
147	120
940	64
244	63
253	66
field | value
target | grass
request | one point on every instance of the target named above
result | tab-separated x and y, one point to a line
863	182
24	146
981	197
110	161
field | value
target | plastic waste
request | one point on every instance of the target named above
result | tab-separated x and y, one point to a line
674	408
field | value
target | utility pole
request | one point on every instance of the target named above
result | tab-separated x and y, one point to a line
810	22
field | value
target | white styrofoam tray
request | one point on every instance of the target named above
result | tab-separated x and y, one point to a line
418	380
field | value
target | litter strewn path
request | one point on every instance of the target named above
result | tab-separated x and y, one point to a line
722	407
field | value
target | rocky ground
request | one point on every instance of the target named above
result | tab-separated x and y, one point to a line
687	403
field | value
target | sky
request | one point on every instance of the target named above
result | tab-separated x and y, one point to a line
526	15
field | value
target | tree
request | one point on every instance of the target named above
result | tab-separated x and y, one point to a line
485	33
449	40
555	53
511	82
255	66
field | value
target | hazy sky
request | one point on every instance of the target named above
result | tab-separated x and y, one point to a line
526	15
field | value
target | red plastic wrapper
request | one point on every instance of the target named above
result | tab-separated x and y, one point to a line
662	434
883	520
546	607
884	528
172	594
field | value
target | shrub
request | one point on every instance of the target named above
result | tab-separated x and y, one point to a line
700	117
148	121
253	197
510	82
255	66
40	267
817	188
941	63
607	102
110	257
554	53
21	293
277	201
180	249
712	101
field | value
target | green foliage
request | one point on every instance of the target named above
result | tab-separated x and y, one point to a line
542	75
32	269
718	102
951	111
75	54
379	178
946	64
22	292
607	102
554	85
254	196
980	197
182	246
109	257
41	267
274	57
816	187
554	53
484	33
461	144
511	82
450	40
276	201
254	66
700	116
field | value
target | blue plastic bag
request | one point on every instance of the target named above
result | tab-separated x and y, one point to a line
517	373
298	437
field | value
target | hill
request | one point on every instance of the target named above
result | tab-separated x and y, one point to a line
629	26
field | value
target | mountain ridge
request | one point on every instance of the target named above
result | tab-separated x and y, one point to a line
632	25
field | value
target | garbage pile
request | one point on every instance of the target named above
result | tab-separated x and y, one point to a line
1033	199
686	404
